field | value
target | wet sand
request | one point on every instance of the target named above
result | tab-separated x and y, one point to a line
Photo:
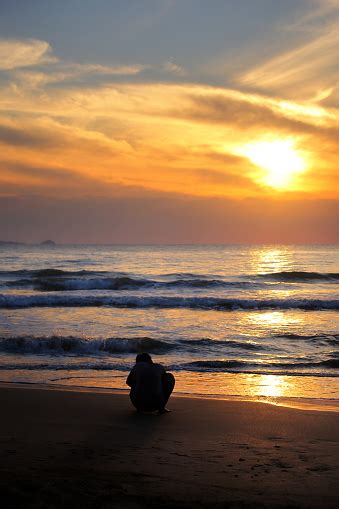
64	448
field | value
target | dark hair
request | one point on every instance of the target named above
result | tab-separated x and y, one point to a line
144	357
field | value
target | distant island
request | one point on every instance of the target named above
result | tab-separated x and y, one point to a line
47	243
11	243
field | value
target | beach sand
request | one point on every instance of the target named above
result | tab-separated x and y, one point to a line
64	448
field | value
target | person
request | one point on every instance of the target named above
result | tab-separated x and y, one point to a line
151	386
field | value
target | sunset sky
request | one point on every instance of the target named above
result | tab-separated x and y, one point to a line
171	121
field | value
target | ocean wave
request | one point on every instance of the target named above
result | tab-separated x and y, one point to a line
189	275
83	282
49	272
325	368
177	278
52	366
331	339
301	276
85	346
78	345
10	301
226	365
211	343
112	283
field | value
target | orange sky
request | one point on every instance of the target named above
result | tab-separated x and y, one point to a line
135	130
167	137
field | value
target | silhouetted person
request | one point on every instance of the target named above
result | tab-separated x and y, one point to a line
150	385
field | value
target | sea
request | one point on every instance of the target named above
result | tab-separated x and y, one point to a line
229	321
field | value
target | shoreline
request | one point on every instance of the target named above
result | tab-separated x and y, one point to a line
65	448
312	404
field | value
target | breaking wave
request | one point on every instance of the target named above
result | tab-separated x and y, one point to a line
55	280
49	273
331	339
207	342
52	366
244	366
78	345
72	283
326	368
206	303
85	346
302	276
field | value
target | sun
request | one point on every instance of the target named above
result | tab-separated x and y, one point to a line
280	160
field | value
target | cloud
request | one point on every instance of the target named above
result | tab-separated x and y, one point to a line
45	173
172	67
20	137
160	135
311	62
46	133
31	179
249	113
309	70
64	72
211	176
158	151
123	70
22	178
43	153
24	53
230	180
319	11
16	55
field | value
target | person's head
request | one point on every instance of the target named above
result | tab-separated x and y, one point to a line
144	357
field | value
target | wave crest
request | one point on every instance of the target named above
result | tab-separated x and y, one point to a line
302	276
247	366
204	303
78	345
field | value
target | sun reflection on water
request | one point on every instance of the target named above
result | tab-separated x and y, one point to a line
272	386
271	259
273	323
273	318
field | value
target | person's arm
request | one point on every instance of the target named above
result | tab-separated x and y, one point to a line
131	379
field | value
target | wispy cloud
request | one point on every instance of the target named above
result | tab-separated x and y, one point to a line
157	135
123	70
172	67
24	53
18	137
17	55
72	71
319	11
309	69
304	70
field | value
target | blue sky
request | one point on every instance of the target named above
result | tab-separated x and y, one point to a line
204	38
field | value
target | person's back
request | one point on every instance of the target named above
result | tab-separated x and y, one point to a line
147	387
150	385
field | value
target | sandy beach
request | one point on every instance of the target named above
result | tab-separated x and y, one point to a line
64	448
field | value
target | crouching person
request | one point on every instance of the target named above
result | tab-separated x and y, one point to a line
150	385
